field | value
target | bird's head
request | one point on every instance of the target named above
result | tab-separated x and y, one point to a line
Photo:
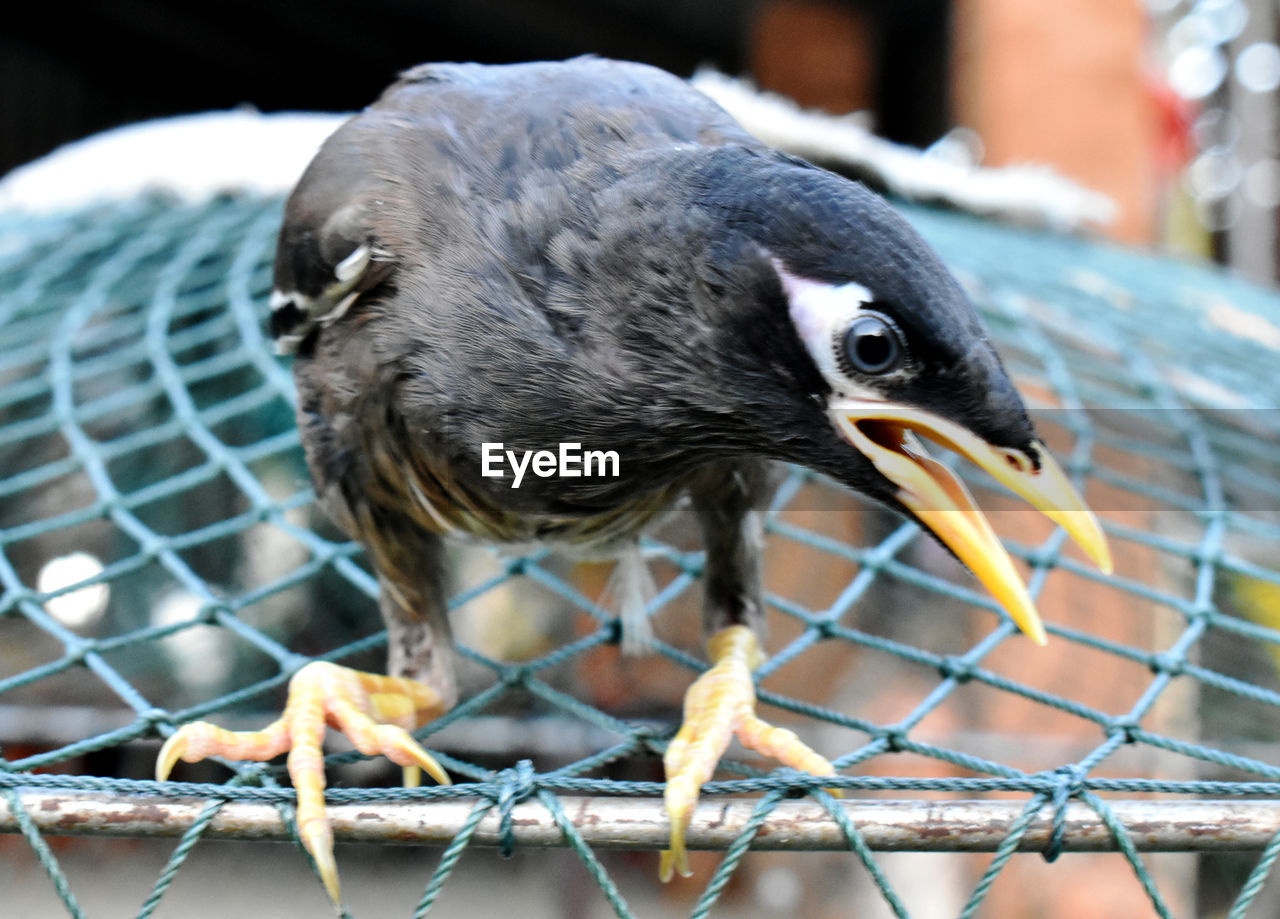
884	352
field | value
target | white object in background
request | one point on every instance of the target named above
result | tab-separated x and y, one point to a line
79	608
1033	195
193	157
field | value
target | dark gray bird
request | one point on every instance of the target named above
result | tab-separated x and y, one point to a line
591	253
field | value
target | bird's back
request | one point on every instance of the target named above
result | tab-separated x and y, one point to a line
520	117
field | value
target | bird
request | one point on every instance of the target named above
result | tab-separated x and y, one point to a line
493	264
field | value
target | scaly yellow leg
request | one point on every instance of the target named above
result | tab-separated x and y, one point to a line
718	706
375	712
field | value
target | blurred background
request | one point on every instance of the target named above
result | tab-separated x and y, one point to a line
1168	106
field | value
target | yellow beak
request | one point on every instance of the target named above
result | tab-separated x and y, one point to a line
886	433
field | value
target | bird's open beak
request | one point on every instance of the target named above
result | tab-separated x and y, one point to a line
886	433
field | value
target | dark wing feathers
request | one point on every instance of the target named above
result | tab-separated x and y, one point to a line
455	136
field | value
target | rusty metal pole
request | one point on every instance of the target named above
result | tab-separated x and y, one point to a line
623	823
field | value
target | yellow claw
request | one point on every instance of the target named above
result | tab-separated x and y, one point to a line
170	753
681	795
423	761
306	768
719	705
319	844
674	860
199	740
374	711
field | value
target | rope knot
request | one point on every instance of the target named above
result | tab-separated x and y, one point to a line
642	733
512	787
514	675
1172	664
825	628
1201	613
787	777
155	717
77	649
1068	784
208	612
956	668
291	663
893	738
1125	727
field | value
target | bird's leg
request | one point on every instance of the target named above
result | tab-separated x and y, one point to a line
375	712
721	703
420	641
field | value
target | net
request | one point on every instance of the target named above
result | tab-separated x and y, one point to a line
162	560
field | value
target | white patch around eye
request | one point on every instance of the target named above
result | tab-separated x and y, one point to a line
821	312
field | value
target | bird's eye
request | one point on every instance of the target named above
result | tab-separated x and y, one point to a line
873	345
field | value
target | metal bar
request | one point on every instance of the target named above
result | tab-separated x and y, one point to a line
625	823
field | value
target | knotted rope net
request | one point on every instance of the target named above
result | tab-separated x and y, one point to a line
162	560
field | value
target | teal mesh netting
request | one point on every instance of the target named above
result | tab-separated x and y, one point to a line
162	560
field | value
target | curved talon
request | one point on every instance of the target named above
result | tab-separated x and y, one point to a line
680	800
199	740
306	768
718	706
398	745
319	845
170	752
676	859
423	760
374	711
432	768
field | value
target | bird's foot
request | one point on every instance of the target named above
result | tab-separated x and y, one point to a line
375	712
718	706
